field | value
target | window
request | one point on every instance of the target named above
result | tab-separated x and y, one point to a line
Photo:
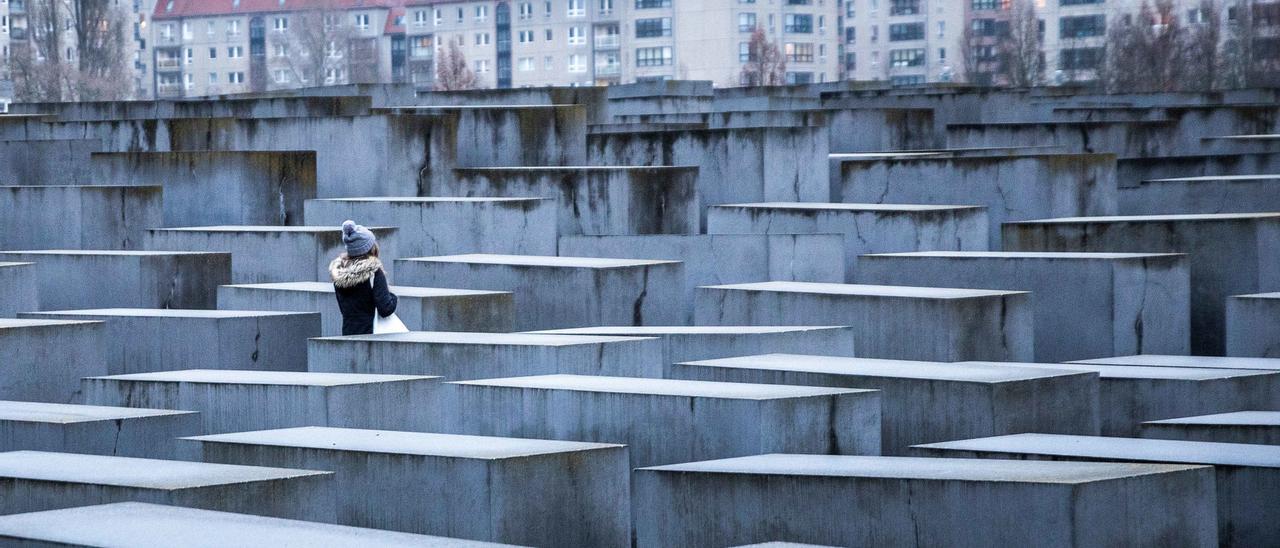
744	52
606	7
549	35
907	31
1080	58
190	80
577	63
653	57
421	47
647	4
331	75
851	61
1082	26
797	23
982	5
798	52
577	8
482	38
907	80
281	50
525	64
1079	2
438	16
362	21
482	66
799	77
904	7
548	62
281	24
211	28
746	22
186	31
482	14
577	36
213	53
331	50
189	54
652	28
233	28
282	76
235	52
213	78
420	18
166	32
235	77
526	10
525	36
906	57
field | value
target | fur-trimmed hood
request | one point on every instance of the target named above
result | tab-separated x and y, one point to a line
350	273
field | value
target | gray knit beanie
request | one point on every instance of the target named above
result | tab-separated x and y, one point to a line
359	239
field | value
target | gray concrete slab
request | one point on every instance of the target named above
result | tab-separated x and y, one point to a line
725	258
665	421
867	228
139	340
605	291
704	342
143	525
930	401
32	481
598	199
117	431
456	356
1202	194
1247	476
270	253
45	359
234	401
903	501
1253	325
525	491
20	292
67	278
420	308
1257	427
446	226
1229	254
79	217
1201	362
893	322
1086	305
1131	395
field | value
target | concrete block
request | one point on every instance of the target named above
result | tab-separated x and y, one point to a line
79	217
867	228
19	290
46	162
604	291
68	279
1253	325
903	501
725	258
453	355
203	188
1012	188
1202	194
420	308
118	431
705	342
1246	476
595	200
930	401
1130	395
235	401
44	359
524	491
665	421
893	322
1086	305
1229	254
32	481
144	525
447	226
1256	427
270	253
1201	362
140	340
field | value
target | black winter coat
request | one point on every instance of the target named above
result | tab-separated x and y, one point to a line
357	298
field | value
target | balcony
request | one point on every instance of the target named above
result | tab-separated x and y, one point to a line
18	34
17	7
607	41
612	69
169	89
168	64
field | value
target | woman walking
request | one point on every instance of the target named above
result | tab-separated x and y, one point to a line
359	282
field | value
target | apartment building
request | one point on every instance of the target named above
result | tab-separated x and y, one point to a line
903	41
211	47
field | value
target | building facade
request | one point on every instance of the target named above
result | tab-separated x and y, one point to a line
902	41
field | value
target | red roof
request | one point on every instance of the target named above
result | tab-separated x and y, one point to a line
394	26
176	9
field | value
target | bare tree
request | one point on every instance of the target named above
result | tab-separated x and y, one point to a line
41	72
1020	50
765	64
102	64
452	72
316	43
1237	48
75	50
1146	54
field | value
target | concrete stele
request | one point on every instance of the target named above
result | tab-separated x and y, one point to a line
118	431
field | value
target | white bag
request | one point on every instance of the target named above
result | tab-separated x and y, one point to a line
389	324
